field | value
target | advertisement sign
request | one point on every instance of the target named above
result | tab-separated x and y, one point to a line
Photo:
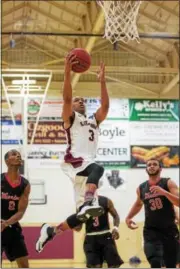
45	156
51	109
113	144
154	110
10	133
168	155
154	133
50	132
16	106
118	109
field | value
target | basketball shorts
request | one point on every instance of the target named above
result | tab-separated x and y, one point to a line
101	248
12	243
79	182
162	245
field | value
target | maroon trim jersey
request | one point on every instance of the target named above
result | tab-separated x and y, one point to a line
10	195
82	139
159	211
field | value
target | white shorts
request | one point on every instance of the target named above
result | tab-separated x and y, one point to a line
79	182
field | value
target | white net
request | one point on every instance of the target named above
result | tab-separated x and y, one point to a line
120	17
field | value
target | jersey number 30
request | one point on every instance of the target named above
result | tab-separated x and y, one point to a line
11	205
91	137
155	204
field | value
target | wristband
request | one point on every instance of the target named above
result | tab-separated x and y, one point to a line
116	228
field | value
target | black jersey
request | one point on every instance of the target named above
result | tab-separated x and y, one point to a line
100	223
159	211
10	196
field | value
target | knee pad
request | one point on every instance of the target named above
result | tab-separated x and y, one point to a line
155	262
95	175
73	222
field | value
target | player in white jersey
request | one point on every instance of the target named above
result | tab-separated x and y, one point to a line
82	136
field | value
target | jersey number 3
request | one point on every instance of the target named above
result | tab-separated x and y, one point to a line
155	204
91	137
96	222
11	205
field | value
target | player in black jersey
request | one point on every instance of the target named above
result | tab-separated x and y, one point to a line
15	191
99	243
159	195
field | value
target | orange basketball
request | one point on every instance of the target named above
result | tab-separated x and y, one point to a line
83	58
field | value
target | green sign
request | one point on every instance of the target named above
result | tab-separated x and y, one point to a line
154	110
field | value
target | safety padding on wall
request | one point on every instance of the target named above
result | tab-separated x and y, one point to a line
61	247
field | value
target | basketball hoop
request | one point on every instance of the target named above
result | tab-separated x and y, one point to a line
120	17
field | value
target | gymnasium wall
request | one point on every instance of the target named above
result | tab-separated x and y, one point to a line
134	130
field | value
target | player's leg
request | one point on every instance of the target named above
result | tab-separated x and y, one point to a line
47	232
94	258
22	262
154	253
15	248
170	249
178	255
93	173
110	252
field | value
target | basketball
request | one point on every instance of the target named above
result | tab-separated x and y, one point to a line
83	58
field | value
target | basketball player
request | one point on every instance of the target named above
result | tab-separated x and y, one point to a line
159	195
15	191
99	244
177	223
82	136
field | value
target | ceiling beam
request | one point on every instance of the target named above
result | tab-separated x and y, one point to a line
127	84
152	18
91	41
54	43
5	24
36	46
12	10
65	8
171	84
61	60
52	17
169	10
139	70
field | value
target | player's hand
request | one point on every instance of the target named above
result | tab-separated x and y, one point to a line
131	224
115	233
158	190
70	60
101	72
3	225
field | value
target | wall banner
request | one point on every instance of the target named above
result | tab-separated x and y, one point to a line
154	110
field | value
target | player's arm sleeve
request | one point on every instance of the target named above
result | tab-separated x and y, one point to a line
22	206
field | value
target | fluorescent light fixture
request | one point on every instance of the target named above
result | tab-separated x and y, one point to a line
23	82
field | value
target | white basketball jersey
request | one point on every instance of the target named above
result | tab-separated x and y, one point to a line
82	137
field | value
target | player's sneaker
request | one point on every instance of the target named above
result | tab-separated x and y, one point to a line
89	208
46	234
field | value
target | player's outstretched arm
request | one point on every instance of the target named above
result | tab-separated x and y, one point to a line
116	219
172	195
67	88
134	211
102	112
22	206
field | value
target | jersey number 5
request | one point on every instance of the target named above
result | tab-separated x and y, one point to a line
91	138
155	204
11	205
